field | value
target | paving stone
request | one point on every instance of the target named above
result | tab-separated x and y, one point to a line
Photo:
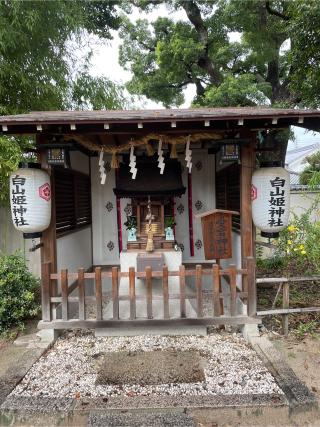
141	419
153	367
37	404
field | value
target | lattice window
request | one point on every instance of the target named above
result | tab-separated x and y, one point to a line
72	199
228	191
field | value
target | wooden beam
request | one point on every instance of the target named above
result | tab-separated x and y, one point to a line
45	291
98	292
273	312
216	290
148	271
132	292
189	295
81	292
233	290
182	280
64	294
115	292
287	279
199	299
247	166
165	291
91	324
49	238
246	226
285	305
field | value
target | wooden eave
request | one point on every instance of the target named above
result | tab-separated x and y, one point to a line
139	122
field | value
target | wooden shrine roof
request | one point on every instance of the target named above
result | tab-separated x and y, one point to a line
243	116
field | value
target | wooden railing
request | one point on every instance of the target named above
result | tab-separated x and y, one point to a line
284	285
51	299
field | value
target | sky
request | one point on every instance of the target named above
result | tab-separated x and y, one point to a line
105	62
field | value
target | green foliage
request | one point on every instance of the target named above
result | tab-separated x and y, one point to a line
10	155
19	291
131	222
146	49
276	61
41	51
311	173
298	244
44	64
271	264
237	91
305	51
97	93
309	328
169	222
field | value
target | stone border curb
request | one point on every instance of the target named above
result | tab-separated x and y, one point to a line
35	348
299	397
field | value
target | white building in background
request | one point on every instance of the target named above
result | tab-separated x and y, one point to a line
296	161
302	198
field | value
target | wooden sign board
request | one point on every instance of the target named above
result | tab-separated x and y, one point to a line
217	233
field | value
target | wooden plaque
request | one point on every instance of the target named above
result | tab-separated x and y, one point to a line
217	233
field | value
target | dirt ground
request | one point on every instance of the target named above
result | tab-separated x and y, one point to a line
10	352
303	356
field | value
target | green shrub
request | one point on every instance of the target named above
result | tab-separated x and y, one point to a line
19	292
273	263
299	244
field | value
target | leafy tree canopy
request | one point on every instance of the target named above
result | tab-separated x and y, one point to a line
305	50
43	65
267	66
311	173
40	53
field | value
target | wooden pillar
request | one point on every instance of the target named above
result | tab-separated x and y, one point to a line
247	238
285	304
49	238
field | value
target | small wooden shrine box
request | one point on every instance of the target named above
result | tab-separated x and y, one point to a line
217	233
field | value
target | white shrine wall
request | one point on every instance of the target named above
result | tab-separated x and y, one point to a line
203	199
104	215
104	210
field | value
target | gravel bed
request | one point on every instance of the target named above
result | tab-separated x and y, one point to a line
68	369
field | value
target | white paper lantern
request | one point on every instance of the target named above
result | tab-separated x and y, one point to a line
30	200
270	194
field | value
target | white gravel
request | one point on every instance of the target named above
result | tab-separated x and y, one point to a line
68	369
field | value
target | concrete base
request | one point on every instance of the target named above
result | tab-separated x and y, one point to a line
48	336
250	331
159	330
173	260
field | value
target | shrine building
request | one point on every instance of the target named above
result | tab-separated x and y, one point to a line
150	212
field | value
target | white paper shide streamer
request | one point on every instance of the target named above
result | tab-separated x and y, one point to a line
161	163
102	169
133	163
188	157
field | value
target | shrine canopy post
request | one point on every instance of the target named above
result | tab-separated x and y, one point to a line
217	233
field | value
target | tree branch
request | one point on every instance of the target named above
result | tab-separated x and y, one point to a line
200	88
275	12
175	86
194	15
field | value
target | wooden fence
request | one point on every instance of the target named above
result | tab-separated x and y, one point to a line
51	299
284	285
